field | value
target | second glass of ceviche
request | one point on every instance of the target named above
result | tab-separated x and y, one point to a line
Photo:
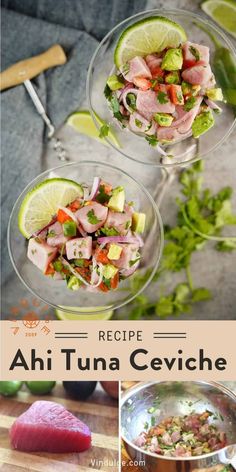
158	83
78	233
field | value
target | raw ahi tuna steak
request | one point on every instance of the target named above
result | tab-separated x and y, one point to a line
49	427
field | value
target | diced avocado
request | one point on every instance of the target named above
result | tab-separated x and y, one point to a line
138	222
114	252
202	123
114	83
215	94
172	60
73	283
172	77
109	271
163	119
117	200
189	89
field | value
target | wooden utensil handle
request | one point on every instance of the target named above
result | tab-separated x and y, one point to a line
29	68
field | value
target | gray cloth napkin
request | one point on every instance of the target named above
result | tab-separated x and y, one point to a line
61	90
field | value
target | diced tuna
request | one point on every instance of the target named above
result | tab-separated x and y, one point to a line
40	253
171	134
141	440
189	50
197	75
153	61
137	68
121	222
92	216
129	253
185	119
147	104
79	248
55	235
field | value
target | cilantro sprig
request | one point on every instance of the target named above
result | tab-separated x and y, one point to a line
201	217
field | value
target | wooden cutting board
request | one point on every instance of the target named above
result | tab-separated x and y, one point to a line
99	412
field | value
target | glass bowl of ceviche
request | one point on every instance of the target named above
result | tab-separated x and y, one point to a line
78	233
159	83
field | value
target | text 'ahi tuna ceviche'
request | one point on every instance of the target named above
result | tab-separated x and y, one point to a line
183	436
92	242
167	96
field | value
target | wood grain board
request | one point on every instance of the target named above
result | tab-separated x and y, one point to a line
99	412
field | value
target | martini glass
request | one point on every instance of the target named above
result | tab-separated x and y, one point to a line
56	293
136	147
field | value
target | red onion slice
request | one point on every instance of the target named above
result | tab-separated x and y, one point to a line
118	239
94	189
78	276
213	105
37	233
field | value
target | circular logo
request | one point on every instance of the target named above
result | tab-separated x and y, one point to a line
31	320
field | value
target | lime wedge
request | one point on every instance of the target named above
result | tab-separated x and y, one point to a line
223	12
41	203
89	314
82	122
147	36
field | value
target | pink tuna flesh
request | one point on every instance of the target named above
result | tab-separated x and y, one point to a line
40	253
203	51
92	217
121	222
129	253
49	427
55	235
147	104
79	248
137	68
197	75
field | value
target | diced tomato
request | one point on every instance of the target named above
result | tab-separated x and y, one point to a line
106	187
189	63
103	287
74	206
84	272
115	281
159	431
101	256
176	95
157	72
50	270
142	83
62	216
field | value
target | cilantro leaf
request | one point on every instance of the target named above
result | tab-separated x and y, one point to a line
162	97
152	140
109	231
102	197
116	108
92	218
104	130
107	92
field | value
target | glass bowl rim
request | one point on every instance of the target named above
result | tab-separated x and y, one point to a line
151	201
173	11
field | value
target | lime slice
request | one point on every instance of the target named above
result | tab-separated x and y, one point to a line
88	314
223	12
82	122
41	203
147	36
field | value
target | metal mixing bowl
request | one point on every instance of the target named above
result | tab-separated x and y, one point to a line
178	398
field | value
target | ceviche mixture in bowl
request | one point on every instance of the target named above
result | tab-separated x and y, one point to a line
183	436
79	232
155	81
